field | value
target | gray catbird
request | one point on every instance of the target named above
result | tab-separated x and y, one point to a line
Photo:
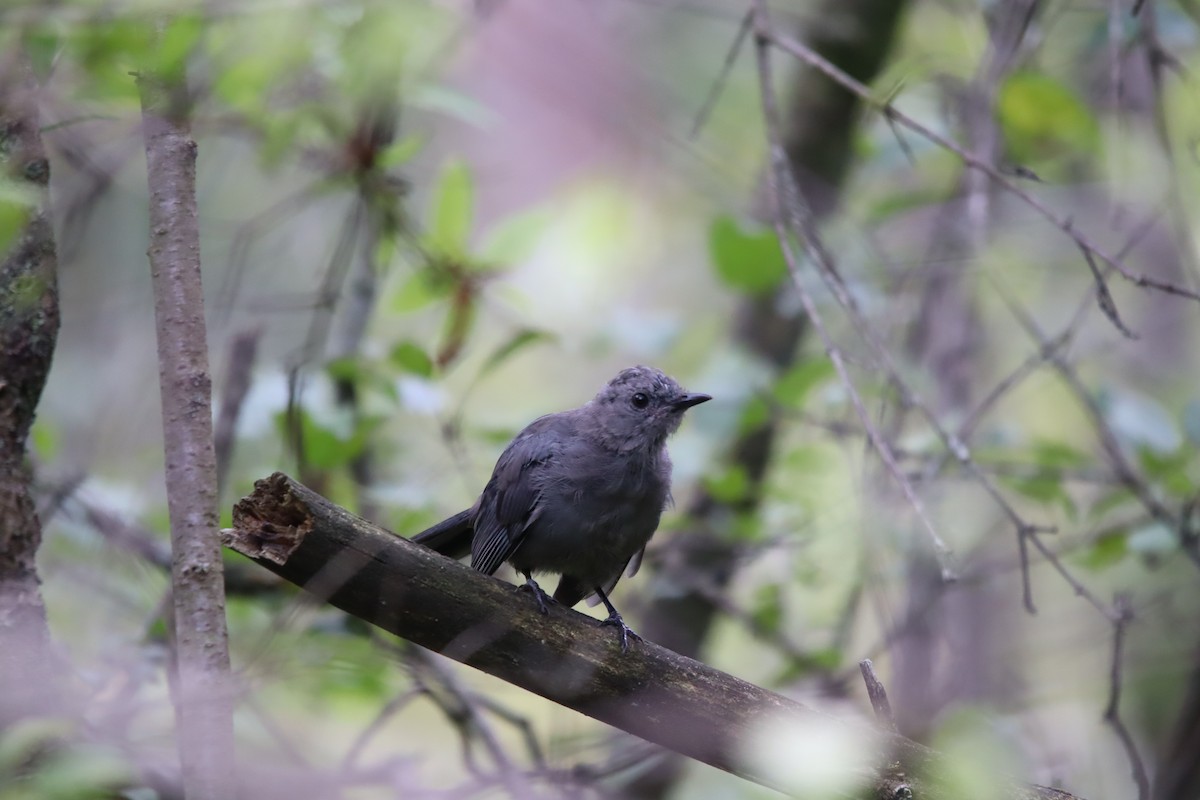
578	493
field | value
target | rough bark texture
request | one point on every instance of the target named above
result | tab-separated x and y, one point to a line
201	646
818	137
564	656
28	331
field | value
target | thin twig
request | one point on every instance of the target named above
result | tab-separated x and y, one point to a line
1121	466
463	709
718	86
1157	58
779	184
1123	610
1104	297
815	60
785	191
390	709
1052	345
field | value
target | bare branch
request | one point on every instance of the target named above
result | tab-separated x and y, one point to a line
791	208
719	84
1059	221
1123	610
780	185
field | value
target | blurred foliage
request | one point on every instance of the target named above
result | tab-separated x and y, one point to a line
751	262
499	293
1043	120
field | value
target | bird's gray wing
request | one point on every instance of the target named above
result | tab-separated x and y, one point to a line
510	501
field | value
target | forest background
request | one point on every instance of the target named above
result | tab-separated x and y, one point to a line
935	261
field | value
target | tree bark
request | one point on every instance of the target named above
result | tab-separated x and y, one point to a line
29	319
201	644
563	656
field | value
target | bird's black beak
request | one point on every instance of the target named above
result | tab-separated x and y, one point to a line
689	400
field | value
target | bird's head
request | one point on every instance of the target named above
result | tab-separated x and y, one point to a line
641	407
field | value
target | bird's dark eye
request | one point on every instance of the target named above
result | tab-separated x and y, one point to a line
640	400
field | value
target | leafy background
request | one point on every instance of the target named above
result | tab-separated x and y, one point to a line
517	188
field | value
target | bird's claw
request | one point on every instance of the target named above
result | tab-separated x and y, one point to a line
530	585
626	633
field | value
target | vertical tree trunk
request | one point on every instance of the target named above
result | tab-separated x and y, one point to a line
28	332
201	645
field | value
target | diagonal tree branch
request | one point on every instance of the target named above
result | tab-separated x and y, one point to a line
563	656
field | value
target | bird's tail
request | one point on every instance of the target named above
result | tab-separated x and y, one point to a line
450	537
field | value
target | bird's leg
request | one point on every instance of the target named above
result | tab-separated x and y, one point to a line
614	619
541	597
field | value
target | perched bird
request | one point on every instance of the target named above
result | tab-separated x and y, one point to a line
578	493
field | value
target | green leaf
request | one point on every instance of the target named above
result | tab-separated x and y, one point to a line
13	218
345	369
45	439
822	661
745	527
410	357
400	152
498	437
748	262
324	449
1169	470
519	341
755	413
452	212
175	46
362	374
1042	118
793	387
1106	551
421	289
1046	488
109	50
23	741
43	46
729	486
515	238
1058	455
1114	499
80	772
977	756
767	611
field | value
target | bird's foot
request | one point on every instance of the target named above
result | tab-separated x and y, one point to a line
626	633
530	585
